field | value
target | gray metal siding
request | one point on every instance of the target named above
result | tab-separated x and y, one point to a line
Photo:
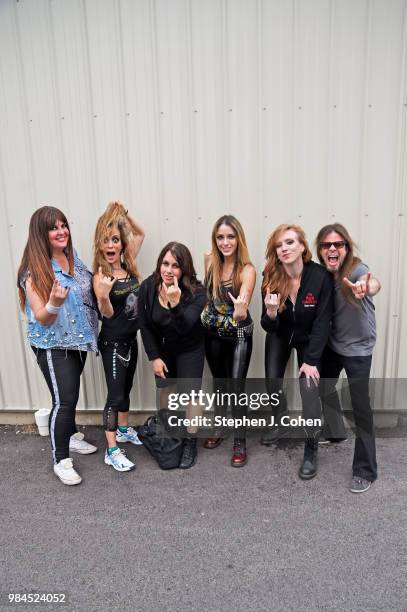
272	110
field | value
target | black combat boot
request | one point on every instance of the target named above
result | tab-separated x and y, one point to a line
189	454
309	466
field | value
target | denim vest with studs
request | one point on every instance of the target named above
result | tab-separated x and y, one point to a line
76	325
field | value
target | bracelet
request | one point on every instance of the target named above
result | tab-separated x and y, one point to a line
54	310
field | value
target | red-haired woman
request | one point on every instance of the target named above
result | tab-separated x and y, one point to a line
118	239
170	304
297	310
230	280
56	293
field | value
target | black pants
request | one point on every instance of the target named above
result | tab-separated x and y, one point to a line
358	371
62	370
187	364
229	358
277	354
185	369
119	363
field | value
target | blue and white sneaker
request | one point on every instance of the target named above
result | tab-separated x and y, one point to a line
128	436
119	461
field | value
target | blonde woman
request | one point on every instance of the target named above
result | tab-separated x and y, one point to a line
230	279
116	282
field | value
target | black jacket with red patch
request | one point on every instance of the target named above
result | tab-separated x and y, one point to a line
307	322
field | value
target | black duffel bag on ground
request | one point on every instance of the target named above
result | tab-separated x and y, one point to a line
166	451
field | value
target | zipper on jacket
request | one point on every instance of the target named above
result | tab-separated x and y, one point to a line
292	334
294	303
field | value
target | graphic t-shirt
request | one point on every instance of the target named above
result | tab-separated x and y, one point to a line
123	325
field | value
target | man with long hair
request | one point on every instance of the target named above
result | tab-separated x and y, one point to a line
350	347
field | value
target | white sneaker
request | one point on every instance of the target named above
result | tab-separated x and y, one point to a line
119	461
128	436
65	472
77	444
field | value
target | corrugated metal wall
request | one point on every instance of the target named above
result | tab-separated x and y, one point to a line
273	110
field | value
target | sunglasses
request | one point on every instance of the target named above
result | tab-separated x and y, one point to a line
339	244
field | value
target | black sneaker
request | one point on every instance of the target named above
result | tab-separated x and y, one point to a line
189	454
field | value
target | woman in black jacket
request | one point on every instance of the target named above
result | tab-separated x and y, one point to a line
170	304
297	309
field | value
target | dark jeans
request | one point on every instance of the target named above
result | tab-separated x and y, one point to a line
228	360
358	371
119	363
277	354
62	370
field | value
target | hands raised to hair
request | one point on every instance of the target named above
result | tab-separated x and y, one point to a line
172	294
240	303
272	303
361	287
104	284
58	294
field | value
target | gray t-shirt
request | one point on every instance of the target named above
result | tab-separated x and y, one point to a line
353	331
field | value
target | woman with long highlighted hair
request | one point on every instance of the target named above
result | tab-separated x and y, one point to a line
116	282
56	294
230	279
297	310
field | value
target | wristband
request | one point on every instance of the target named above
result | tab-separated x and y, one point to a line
54	310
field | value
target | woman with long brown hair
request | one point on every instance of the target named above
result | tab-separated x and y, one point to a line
55	290
170	305
230	278
116	282
297	309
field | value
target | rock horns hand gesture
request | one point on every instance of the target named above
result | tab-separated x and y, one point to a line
58	294
360	288
104	284
240	303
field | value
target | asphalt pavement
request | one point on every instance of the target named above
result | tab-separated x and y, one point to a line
211	538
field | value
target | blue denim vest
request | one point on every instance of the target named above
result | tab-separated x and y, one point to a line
76	325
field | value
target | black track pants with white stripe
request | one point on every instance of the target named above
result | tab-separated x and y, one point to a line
62	371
